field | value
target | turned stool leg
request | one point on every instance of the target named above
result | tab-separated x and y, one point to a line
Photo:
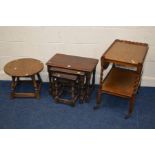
13	86
18	80
39	82
39	78
35	87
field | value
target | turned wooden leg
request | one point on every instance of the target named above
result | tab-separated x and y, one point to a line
73	90
37	93
56	92
13	86
39	78
82	93
139	87
39	82
73	93
18	80
50	82
52	87
88	77
131	107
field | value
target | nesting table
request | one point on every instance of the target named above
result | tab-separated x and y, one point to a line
83	67
124	79
27	68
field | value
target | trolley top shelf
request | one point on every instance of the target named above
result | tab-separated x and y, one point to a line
128	52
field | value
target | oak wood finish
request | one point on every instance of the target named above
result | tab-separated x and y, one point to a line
127	52
73	62
83	67
27	68
52	70
66	71
122	80
63	81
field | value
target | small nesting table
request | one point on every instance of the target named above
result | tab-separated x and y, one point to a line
124	79
27	68
62	81
83	67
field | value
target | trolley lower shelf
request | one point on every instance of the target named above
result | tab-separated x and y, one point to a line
120	82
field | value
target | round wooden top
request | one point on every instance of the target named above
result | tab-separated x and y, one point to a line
23	67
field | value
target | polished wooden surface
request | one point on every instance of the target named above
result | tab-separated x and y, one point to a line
65	83
84	67
120	82
23	67
124	79
127	52
65	76
73	62
66	71
28	68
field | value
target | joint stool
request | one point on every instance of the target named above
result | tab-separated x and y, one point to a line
25	68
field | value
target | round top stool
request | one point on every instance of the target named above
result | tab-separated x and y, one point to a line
28	68
23	67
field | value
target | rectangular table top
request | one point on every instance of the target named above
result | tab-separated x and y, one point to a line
73	62
126	52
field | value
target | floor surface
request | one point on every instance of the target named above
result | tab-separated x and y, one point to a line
45	114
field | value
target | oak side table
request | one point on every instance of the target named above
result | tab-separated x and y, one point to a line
124	79
27	68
